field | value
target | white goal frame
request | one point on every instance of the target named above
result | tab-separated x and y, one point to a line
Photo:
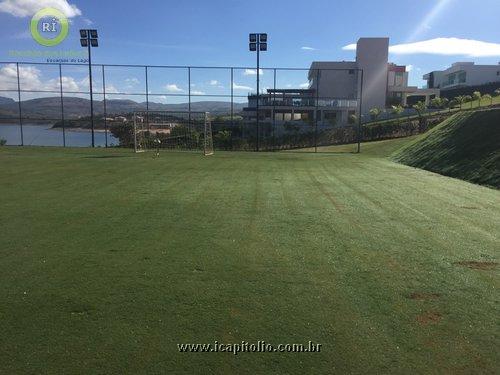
147	123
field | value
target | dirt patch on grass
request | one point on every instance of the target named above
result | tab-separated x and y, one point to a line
419	296
429	317
475	265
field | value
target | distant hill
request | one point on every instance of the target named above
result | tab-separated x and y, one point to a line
464	146
50	108
6	100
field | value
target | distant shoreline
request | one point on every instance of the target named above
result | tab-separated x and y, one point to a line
51	127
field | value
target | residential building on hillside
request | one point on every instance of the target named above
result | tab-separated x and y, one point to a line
462	74
335	89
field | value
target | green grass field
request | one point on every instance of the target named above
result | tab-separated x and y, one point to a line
110	259
466	146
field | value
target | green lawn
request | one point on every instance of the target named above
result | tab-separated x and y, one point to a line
109	259
466	146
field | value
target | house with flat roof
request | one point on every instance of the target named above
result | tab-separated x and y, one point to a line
338	89
463	74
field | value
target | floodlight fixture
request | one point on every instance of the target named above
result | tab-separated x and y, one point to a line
84	42
263	38
253	38
83	34
263	46
253	46
93	34
94	43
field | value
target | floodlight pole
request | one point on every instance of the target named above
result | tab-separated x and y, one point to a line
258	89
91	91
258	41
88	38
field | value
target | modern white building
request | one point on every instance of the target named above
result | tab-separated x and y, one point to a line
336	87
384	83
463	74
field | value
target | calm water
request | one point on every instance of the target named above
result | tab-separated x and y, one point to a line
42	135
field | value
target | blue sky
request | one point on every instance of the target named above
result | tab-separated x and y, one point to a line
215	33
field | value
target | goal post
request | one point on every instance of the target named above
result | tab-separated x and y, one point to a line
208	142
173	130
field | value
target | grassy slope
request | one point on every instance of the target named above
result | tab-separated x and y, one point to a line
110	259
465	146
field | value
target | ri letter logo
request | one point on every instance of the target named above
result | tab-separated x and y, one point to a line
49	27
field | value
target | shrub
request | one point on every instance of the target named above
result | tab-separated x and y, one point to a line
3	142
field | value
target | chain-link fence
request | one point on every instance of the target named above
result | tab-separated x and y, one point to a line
296	109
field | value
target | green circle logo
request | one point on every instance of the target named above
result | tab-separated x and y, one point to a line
59	26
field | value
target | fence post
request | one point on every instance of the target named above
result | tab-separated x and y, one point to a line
19	105
189	95
147	96
316	114
274	111
232	100
62	105
360	128
104	107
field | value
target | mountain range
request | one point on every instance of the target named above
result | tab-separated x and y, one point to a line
50	108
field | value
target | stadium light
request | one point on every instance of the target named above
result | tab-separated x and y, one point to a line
257	43
88	39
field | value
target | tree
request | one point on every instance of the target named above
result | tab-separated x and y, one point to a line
352	119
397	110
452	103
436	102
223	139
375	113
445	103
477	96
468	98
496	92
420	107
488	97
461	99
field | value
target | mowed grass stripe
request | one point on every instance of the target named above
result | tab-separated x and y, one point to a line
122	257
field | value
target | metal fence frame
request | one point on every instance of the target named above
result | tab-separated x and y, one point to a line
189	95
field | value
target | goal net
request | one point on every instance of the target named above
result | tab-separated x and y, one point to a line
174	130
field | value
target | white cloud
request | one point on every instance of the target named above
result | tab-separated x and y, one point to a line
241	87
448	46
350	47
172	87
409	68
252	72
111	89
304	85
197	92
213	82
444	46
132	81
27	8
31	78
305	48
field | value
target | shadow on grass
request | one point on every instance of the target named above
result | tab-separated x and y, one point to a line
106	156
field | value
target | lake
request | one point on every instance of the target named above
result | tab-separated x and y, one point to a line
43	135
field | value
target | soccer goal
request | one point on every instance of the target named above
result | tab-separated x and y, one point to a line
173	130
